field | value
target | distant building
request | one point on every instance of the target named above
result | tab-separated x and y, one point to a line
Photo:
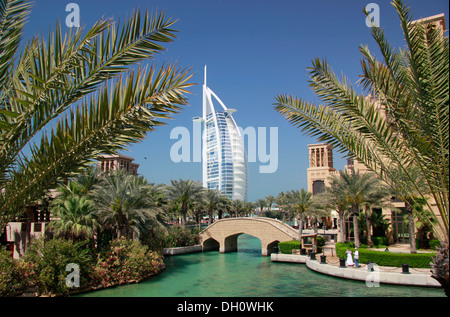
223	155
320	167
107	163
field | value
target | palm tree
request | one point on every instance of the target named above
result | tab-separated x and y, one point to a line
409	192
75	217
270	200
317	210
237	207
248	207
213	200
74	96
184	192
125	203
299	201
375	198
404	123
356	187
282	201
335	197
261	203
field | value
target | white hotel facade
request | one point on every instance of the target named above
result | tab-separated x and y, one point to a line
223	154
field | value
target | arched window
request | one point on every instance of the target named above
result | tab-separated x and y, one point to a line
318	187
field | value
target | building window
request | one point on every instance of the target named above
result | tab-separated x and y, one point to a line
318	187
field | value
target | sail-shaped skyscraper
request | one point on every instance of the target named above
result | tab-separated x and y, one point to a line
223	154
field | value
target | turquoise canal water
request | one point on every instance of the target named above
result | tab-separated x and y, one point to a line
248	274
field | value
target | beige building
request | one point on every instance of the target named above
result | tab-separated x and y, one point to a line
320	167
107	163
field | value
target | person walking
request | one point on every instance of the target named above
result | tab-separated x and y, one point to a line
356	257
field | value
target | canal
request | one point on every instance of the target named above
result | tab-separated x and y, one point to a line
247	274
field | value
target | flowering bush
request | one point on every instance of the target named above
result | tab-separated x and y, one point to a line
127	261
44	265
13	275
181	237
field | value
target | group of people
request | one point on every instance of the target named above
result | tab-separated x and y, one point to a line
350	258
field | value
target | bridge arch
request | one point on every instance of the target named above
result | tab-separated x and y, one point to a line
222	235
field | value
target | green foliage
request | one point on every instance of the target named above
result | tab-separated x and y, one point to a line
434	244
46	263
70	96
287	246
380	241
419	260
181	237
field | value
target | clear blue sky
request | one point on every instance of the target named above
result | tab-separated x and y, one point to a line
255	50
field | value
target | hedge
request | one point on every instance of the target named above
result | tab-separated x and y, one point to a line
287	246
418	260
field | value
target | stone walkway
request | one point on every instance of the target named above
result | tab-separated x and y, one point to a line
332	259
382	274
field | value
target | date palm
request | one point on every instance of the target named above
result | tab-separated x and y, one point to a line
184	192
126	203
336	198
66	98
299	202
355	188
411	87
213	201
75	217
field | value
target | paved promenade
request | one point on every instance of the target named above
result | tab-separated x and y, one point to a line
380	274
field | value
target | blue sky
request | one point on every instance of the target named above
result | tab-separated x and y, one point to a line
254	50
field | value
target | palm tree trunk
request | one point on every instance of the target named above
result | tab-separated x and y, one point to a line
412	233
300	229
341	224
369	229
356	226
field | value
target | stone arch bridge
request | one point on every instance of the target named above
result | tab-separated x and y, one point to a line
222	235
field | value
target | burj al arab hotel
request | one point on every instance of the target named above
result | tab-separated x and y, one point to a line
223	154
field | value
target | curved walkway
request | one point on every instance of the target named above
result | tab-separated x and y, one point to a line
380	274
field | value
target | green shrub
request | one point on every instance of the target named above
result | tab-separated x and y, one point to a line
127	261
287	246
434	244
45	265
419	260
181	237
380	240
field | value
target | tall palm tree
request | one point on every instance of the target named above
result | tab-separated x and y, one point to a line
237	207
270	200
317	210
125	203
409	192
299	201
356	187
261	203
282	201
213	199
336	198
248	207
70	97
405	122
378	197
184	192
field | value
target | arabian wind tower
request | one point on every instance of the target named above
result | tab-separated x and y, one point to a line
223	154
